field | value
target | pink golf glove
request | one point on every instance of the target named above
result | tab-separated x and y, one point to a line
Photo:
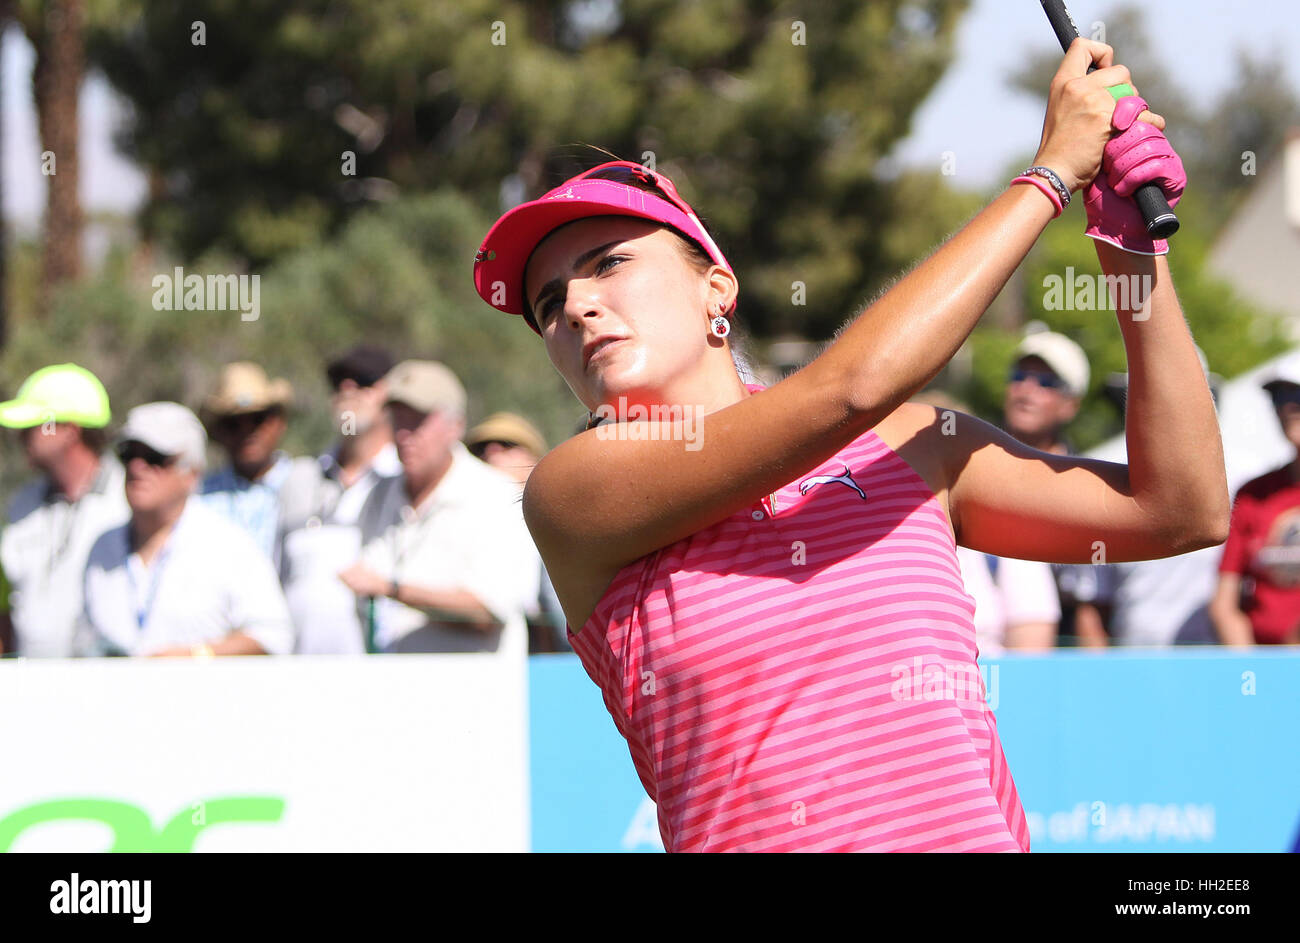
1140	155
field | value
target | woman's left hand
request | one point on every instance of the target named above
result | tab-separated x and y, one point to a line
1139	155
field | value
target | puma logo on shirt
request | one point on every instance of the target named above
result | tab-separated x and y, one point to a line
845	479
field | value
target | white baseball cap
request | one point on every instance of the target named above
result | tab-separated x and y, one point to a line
168	428
1064	356
1287	371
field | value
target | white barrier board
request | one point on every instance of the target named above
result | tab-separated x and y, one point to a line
377	753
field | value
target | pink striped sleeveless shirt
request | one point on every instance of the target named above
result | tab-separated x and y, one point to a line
802	677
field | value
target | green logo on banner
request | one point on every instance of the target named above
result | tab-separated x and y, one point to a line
132	828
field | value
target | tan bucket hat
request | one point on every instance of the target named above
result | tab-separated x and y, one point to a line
508	428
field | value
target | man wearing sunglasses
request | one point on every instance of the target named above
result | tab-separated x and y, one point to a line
1046	383
322	534
245	415
178	579
60	411
364	452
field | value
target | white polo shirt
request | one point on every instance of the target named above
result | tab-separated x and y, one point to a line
1023	591
469	535
43	551
210	579
324	610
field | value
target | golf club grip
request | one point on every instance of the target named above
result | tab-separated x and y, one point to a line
1160	218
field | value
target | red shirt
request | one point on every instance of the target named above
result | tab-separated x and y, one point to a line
1264	546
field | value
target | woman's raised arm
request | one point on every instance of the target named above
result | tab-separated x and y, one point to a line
600	502
1171	497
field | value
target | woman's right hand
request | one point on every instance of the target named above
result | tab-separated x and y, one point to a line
1077	125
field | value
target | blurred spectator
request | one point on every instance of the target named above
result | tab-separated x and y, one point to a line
509	443
1155	602
1163	602
321	515
513	445
246	417
1015	600
1258	595
1016	605
448	564
53	521
364	452
1048	380
178	579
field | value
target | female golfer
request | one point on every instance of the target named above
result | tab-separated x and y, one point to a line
763	582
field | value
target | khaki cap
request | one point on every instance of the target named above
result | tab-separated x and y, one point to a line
507	427
244	388
426	386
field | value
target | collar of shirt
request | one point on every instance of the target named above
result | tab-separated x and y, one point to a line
177	532
457	482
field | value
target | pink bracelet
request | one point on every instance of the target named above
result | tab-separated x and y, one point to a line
1043	185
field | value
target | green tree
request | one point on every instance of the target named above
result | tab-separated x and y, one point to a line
266	122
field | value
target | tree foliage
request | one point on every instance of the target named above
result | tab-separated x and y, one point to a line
771	116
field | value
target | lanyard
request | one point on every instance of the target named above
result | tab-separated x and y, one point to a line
142	612
59	547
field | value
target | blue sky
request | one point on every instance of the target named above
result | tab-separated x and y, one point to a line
996	35
971	112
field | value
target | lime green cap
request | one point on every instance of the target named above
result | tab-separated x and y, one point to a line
60	393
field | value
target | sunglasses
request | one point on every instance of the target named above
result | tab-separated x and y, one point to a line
128	452
244	421
1049	381
336	380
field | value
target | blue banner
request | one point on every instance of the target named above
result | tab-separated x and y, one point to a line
1180	750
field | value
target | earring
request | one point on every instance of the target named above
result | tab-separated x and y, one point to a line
720	326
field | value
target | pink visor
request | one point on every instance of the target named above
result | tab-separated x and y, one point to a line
500	262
